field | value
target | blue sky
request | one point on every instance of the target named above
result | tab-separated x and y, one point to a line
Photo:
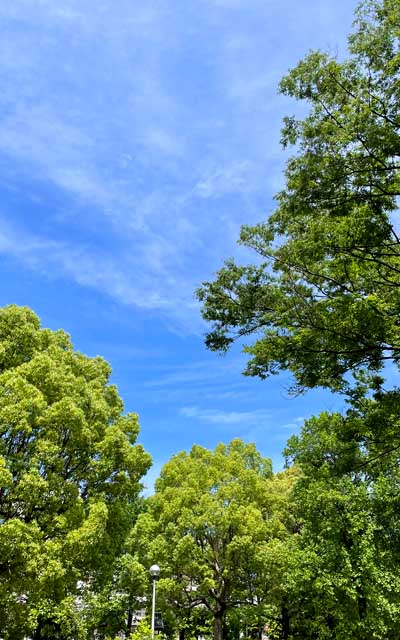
135	139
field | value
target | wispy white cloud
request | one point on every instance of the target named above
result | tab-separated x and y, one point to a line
157	124
240	176
222	417
97	271
196	373
294	424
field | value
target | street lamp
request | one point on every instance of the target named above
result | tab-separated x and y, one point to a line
154	572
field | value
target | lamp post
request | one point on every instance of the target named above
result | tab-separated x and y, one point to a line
154	572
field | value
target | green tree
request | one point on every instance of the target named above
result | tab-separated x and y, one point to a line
69	478
108	608
212	525
323	298
343	581
323	301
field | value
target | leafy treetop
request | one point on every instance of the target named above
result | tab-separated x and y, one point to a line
324	297
69	476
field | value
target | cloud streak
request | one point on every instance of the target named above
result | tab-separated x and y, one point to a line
223	417
153	127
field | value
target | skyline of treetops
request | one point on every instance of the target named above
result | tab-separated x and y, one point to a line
249	545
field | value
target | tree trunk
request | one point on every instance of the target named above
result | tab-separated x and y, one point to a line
285	622
47	630
220	631
129	623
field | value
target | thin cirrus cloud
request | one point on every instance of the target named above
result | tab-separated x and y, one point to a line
196	374
97	271
223	418
157	127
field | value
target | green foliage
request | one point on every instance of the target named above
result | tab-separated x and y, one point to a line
143	632
69	478
106	606
323	299
344	579
211	525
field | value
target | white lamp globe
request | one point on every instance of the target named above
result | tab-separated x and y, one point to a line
154	570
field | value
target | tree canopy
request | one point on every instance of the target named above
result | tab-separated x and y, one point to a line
344	578
322	300
312	550
69	478
323	297
211	525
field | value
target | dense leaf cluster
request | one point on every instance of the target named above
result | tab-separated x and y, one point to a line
310	553
217	524
323	302
69	478
324	298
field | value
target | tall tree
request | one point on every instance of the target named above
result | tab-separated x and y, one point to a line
323	302
343	581
324	297
69	477
211	525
